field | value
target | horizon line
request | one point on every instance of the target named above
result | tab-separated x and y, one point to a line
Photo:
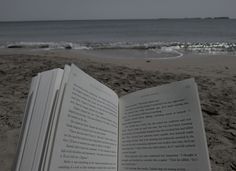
164	18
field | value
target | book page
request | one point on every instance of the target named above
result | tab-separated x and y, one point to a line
35	123
162	129
26	122
87	131
55	83
54	120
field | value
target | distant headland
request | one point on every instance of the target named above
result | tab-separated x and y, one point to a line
196	18
212	18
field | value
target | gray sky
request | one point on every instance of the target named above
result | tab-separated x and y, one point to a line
113	9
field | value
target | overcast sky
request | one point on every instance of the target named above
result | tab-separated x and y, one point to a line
113	9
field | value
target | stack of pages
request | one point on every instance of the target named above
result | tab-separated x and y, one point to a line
73	122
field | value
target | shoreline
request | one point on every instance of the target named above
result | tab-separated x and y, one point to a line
195	64
215	76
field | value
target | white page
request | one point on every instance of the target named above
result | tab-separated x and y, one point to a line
161	129
36	121
47	116
26	121
54	121
87	130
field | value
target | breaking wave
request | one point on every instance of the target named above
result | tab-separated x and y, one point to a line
157	47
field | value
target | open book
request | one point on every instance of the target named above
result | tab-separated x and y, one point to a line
73	122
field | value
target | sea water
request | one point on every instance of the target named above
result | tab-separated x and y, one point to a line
160	37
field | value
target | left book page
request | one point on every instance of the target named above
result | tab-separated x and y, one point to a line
26	121
38	111
87	130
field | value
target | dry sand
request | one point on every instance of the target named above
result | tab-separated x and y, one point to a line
215	75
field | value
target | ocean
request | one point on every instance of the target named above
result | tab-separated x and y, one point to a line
211	36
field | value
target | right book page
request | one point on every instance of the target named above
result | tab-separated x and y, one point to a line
162	129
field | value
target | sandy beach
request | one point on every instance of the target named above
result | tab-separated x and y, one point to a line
215	76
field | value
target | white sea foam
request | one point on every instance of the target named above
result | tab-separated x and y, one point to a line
157	47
